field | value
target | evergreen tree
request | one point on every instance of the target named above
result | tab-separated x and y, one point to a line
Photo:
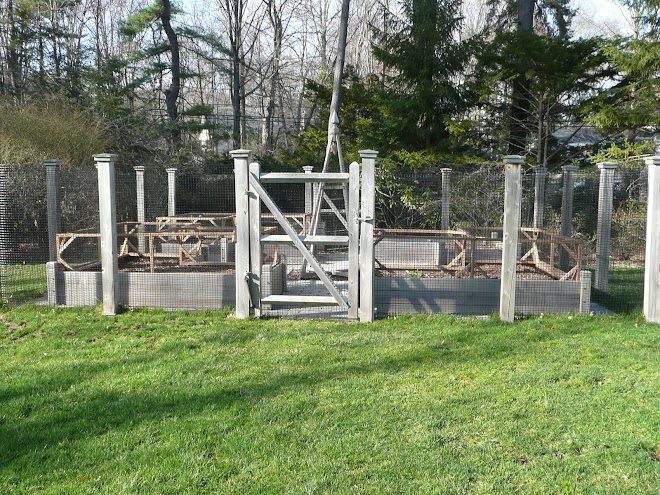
631	104
423	62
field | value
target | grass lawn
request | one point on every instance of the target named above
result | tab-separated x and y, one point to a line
625	290
155	402
22	283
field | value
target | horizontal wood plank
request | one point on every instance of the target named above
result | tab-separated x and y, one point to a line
328	178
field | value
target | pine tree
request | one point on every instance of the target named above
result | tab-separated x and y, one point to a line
423	63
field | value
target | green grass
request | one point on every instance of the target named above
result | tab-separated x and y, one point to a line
155	402
625	293
23	283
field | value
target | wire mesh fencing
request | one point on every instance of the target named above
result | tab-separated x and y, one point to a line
438	238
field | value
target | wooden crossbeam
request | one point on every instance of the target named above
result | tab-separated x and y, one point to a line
307	255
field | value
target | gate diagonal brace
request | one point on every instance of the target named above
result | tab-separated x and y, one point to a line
307	255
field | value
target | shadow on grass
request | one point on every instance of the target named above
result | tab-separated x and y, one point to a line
625	293
96	414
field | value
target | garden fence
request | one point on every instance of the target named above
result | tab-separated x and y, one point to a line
438	237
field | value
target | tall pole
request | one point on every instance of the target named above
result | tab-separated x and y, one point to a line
652	262
512	196
53	205
105	164
604	228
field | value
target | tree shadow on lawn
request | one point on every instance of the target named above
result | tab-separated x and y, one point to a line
106	411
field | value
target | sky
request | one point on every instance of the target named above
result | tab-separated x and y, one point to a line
601	17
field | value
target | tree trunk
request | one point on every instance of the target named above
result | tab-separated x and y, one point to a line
335	103
172	93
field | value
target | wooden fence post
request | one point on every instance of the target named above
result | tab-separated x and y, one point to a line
105	164
4	230
367	222
652	262
241	182
254	209
53	205
353	240
446	192
604	229
567	211
539	196
171	192
139	186
511	224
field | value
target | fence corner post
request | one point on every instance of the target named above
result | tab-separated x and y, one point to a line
139	193
53	205
585	292
367	223
5	233
241	184
446	192
539	195
604	228
51	282
171	191
567	210
105	164
510	226
652	261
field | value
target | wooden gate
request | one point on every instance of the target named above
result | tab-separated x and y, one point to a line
250	194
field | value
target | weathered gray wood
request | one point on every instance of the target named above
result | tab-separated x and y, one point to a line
307	255
652	262
171	192
254	205
53	205
367	220
51	282
309	191
585	292
318	240
300	300
297	178
567	212
511	224
139	189
241	185
353	239
604	228
539	195
446	198
105	164
5	236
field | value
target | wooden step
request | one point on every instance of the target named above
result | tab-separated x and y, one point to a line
300	300
334	178
318	240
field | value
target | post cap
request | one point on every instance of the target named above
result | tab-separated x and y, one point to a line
139	168
654	160
308	169
171	170
445	170
52	163
240	153
105	157
368	153
514	159
570	168
540	170
607	165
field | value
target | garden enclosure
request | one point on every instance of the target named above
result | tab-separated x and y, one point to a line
437	238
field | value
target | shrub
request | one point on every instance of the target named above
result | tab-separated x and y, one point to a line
40	130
